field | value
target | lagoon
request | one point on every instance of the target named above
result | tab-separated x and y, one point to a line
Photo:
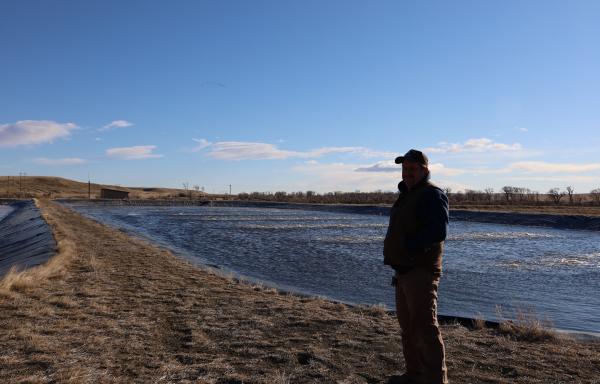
553	272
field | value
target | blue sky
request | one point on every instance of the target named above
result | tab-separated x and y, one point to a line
303	95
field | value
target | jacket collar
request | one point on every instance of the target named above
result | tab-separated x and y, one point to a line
404	188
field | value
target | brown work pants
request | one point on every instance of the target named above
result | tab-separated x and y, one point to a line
422	344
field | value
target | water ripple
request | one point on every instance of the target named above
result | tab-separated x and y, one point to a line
499	236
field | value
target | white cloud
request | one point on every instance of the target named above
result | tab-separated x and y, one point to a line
32	132
133	153
474	145
241	150
63	161
115	124
543	167
381	166
439	169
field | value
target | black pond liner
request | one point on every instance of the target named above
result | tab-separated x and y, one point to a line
26	240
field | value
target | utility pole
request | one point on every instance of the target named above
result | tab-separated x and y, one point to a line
21	174
229	189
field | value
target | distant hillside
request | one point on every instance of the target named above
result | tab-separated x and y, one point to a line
58	187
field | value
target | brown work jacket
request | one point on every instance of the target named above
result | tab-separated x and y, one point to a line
400	249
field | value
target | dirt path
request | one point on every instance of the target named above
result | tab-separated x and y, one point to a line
111	308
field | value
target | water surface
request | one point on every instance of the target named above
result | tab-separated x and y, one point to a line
554	272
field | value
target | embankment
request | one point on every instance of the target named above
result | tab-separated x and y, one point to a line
590	223
25	238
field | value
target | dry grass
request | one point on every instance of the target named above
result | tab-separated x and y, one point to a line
525	324
119	310
58	187
479	322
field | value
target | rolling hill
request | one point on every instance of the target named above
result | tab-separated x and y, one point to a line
58	187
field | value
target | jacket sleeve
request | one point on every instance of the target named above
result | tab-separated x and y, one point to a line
433	210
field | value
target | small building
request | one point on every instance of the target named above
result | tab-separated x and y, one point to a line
106	193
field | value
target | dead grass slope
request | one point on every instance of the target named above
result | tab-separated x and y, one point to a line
567	210
113	309
58	187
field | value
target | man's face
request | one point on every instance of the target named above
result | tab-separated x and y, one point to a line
412	173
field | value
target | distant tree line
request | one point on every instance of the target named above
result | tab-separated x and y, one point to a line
507	195
510	195
377	197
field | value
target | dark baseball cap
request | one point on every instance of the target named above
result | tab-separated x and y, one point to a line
413	155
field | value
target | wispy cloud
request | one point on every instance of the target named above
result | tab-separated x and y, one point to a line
345	177
361	151
557	181
213	84
241	150
63	161
202	143
236	150
116	124
384	174
324	177
544	167
474	145
137	152
32	132
511	170
389	166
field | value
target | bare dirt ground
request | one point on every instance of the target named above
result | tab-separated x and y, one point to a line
113	309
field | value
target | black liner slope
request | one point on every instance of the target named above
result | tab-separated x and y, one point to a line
25	238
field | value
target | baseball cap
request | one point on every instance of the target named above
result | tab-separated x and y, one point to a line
413	155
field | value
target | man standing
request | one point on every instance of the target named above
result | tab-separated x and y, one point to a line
413	247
